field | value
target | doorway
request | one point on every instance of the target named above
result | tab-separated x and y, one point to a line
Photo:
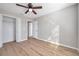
9	29
30	27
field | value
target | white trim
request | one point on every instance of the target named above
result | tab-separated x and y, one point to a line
69	47
59	44
21	40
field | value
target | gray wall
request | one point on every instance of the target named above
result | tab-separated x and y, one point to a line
66	19
24	29
21	29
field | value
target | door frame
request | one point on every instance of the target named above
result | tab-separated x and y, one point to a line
28	28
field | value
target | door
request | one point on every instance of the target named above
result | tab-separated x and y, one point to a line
35	29
8	30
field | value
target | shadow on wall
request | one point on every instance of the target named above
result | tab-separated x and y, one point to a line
54	36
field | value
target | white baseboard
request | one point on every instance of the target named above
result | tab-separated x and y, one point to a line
69	47
1	45
59	44
21	40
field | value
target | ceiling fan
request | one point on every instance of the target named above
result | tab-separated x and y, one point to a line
30	7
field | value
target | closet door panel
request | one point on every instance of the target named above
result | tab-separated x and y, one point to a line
8	32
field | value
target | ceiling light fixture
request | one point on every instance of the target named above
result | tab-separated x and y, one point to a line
30	10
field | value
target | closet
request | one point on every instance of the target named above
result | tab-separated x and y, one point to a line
8	29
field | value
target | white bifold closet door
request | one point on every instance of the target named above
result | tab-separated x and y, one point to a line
8	29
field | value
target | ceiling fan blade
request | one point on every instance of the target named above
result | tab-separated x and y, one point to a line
26	11
34	12
21	5
37	7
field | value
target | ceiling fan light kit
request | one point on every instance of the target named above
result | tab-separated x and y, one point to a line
30	8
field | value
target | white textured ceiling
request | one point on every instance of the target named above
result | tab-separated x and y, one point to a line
11	8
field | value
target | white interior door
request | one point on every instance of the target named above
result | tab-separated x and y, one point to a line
30	29
8	30
35	29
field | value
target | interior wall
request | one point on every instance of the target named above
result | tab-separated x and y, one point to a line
66	20
24	29
21	29
18	30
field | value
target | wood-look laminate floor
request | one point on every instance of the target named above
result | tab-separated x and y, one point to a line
35	47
